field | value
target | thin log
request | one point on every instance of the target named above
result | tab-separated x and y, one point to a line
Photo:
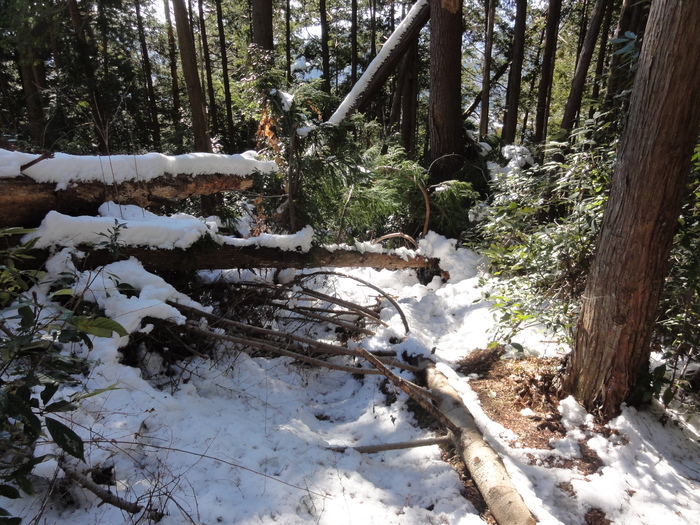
373	287
215	257
313	345
257	343
402	445
24	202
104	494
484	464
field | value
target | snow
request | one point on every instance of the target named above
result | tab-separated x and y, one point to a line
244	440
361	85
64	168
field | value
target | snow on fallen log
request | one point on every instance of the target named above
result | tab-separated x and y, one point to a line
31	185
385	60
484	464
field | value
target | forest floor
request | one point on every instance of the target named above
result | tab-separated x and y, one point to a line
240	438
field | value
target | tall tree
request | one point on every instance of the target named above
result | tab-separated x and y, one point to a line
573	103
174	76
548	57
445	104
213	120
148	77
353	42
602	55
486	76
325	51
510	122
262	24
86	50
202	141
613	335
227	81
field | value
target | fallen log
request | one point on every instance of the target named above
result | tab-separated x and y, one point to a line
484	464
25	202
212	256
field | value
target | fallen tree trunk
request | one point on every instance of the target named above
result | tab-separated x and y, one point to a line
485	466
24	202
215	257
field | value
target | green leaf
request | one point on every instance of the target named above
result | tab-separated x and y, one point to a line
667	396
60	406
48	392
99	326
6	519
518	347
79	397
9	492
66	438
63	291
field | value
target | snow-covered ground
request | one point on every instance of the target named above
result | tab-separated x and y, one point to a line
245	440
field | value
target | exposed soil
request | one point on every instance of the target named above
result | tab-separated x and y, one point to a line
507	388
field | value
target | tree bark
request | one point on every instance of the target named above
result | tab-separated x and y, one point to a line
486	76
230	140
213	120
24	202
485	466
325	52
262	24
381	67
510	122
548	58
227	257
600	62
85	52
445	103
202	141
627	275
175	84
148	77
573	103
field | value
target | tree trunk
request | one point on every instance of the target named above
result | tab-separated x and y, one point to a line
384	63
632	18
353	43
548	58
409	102
484	464
24	202
600	62
213	120
214	257
262	24
175	84
445	103
617	316
32	94
573	103
477	99
148	77
230	140
85	52
202	141
288	39
510	122
486	76
325	52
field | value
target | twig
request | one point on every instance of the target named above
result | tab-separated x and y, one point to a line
395	235
98	491
371	449
279	351
416	392
369	285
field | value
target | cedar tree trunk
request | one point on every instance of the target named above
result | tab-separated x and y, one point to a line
620	301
